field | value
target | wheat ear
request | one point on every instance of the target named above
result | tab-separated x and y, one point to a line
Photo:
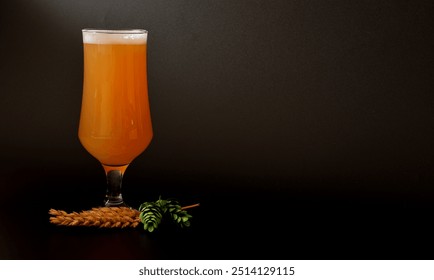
104	217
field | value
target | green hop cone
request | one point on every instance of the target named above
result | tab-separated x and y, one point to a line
150	216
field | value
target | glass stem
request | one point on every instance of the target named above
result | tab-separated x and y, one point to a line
114	176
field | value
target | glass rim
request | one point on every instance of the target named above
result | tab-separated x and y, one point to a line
114	31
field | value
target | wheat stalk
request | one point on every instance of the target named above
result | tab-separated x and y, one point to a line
103	217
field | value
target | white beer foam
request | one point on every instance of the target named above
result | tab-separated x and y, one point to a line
124	37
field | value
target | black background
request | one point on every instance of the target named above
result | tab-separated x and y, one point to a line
304	128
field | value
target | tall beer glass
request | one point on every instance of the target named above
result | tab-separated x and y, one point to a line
115	121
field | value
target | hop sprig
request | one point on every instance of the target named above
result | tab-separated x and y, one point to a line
152	213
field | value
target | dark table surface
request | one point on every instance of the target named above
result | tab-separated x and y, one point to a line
296	220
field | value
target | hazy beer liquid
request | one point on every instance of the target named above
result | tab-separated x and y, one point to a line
115	124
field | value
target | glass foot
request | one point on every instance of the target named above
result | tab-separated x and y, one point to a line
111	202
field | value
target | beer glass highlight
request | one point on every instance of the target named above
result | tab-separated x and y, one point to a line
115	121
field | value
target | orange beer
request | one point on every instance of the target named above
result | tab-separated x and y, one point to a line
115	121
